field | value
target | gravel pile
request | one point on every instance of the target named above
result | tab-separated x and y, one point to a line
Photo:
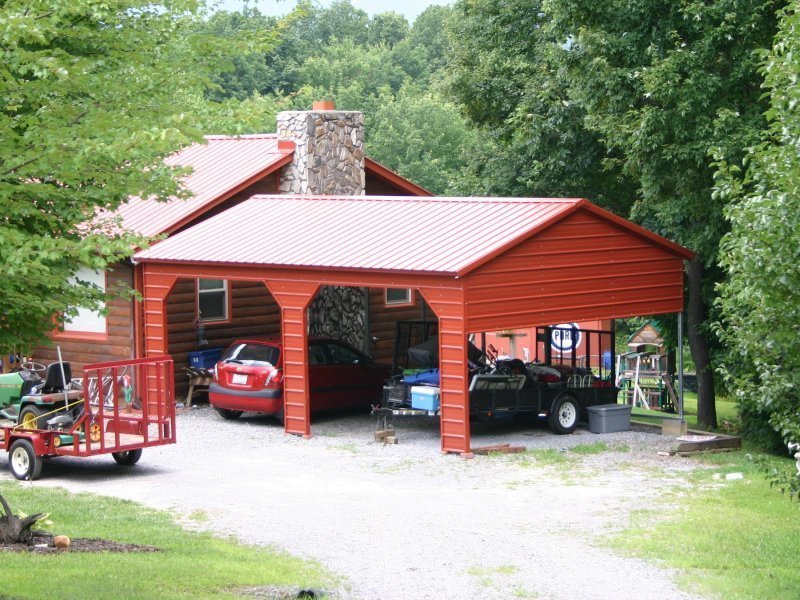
404	521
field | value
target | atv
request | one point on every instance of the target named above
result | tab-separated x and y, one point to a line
39	397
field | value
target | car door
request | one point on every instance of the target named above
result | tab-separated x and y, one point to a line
318	376
342	381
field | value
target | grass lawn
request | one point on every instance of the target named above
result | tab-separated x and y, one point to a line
189	565
726	411
734	539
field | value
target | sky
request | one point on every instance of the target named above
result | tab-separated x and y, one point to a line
408	8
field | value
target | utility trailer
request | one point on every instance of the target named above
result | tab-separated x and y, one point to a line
562	404
560	389
123	407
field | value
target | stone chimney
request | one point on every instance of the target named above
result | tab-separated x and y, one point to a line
329	154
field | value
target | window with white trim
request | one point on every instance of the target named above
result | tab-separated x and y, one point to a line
212	299
398	296
88	321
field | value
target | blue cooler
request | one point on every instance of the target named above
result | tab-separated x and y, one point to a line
425	397
205	359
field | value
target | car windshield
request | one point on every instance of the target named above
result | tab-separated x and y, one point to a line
252	354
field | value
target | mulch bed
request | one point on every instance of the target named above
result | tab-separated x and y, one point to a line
78	545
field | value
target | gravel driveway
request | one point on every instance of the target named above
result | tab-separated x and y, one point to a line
404	521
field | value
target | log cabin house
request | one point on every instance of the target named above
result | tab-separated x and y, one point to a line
313	152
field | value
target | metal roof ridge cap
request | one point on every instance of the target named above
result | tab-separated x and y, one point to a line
243	136
427	199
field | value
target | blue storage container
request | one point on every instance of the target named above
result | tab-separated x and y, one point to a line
425	397
205	359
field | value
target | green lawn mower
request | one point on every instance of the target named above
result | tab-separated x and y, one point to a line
39	397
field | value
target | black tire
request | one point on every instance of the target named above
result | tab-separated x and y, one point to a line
229	415
127	457
31	413
565	414
23	462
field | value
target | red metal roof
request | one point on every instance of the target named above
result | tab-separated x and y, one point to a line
221	167
378	170
406	234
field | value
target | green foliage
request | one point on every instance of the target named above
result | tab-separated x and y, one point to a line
508	73
421	136
761	298
664	83
95	94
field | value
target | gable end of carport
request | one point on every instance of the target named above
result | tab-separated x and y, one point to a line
582	266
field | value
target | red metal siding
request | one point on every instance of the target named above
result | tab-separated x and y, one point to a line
581	268
294	298
157	287
448	303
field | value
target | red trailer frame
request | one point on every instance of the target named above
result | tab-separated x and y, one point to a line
126	406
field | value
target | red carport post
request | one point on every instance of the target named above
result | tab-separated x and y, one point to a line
157	287
294	297
448	304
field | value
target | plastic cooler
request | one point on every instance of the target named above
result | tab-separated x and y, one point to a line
205	359
425	397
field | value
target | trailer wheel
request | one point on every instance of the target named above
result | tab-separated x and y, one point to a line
22	460
564	415
229	415
29	416
127	457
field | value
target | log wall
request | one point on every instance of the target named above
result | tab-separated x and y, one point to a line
253	313
383	319
117	344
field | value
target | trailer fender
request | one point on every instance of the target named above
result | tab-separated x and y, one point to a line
42	442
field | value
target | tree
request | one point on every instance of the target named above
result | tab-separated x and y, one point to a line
421	136
507	72
94	97
387	29
664	83
251	72
760	300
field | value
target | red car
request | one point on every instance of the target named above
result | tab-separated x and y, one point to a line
249	377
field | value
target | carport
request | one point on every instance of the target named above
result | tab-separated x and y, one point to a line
482	264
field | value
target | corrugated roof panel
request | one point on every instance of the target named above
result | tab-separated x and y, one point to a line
219	166
443	235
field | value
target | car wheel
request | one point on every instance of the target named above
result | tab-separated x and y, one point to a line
229	415
29	417
564	415
127	457
23	462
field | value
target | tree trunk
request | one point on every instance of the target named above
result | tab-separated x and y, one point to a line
706	400
14	530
